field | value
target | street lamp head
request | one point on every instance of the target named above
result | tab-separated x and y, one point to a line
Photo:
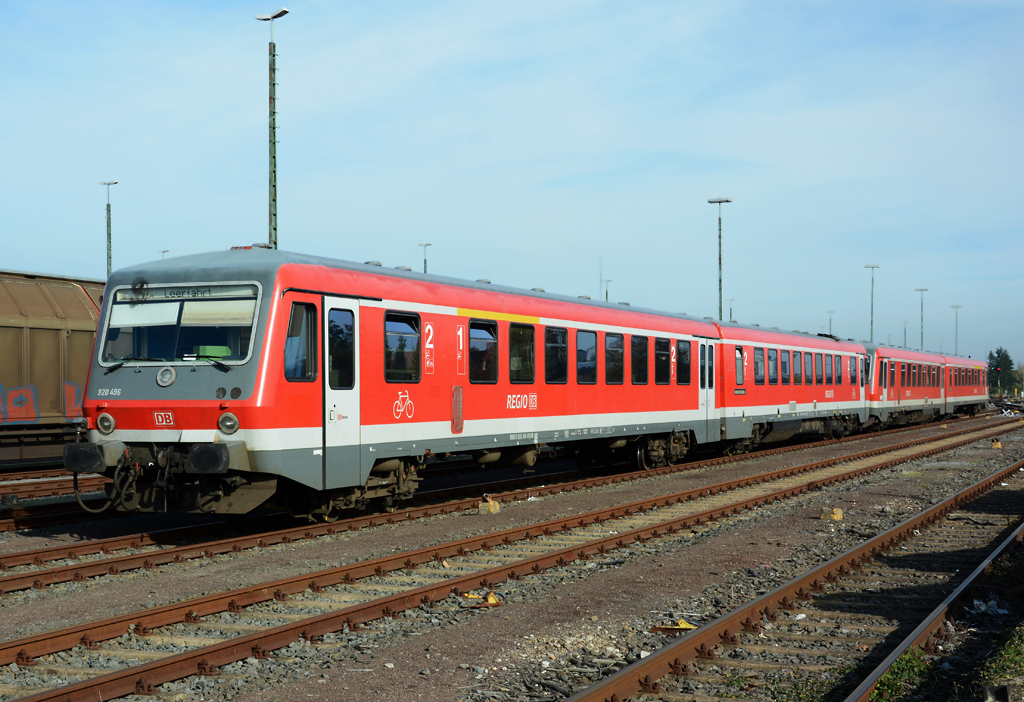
921	289
956	307
108	182
872	265
424	245
719	200
277	15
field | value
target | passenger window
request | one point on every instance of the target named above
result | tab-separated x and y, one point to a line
614	363
819	369
341	357
892	374
739	365
773	366
784	363
828	369
586	357
853	370
703	365
839	370
808	368
556	355
903	374
798	371
300	343
483	351
638	360
884	374
520	353
682	362
401	347
662	361
758	366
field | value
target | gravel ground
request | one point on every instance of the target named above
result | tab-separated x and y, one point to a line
556	632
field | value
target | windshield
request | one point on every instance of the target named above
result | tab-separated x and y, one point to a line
163	324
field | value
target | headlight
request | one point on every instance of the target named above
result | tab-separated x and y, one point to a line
165	376
105	423
228	423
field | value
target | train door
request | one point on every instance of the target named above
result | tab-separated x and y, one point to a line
706	356
341	393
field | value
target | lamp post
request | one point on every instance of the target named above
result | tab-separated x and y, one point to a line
872	266
956	339
605	281
731	300
424	256
273	126
905	323
922	291
163	253
718	201
830	312
108	183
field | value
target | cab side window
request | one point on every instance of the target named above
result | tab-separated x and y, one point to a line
300	344
739	365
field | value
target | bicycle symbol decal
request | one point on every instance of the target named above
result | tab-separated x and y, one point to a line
403	404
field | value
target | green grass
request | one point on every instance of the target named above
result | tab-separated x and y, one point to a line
904	677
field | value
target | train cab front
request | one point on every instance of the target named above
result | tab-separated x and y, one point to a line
169	404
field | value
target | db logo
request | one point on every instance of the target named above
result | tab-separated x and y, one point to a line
163	419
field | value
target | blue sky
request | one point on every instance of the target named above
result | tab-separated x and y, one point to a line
528	141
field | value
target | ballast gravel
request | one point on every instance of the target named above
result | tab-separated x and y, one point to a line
556	633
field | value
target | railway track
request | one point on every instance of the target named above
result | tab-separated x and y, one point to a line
102	557
31	516
122	655
868	605
50	486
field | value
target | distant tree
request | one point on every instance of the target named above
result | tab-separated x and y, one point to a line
1001	376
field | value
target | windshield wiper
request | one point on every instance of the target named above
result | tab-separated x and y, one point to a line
214	361
125	359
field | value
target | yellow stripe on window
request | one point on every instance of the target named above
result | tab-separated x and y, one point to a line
483	314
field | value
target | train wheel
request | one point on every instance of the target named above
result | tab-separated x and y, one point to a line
386	504
640	461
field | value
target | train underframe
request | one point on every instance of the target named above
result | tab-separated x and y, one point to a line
215	478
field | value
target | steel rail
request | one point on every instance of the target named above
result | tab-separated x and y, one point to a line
116	565
204	660
36	516
52	487
931	631
674	658
33	474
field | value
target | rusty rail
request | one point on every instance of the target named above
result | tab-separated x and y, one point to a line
929	632
52	487
205	660
674	658
42	578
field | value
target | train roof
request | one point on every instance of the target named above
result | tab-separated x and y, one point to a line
258	262
923	356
